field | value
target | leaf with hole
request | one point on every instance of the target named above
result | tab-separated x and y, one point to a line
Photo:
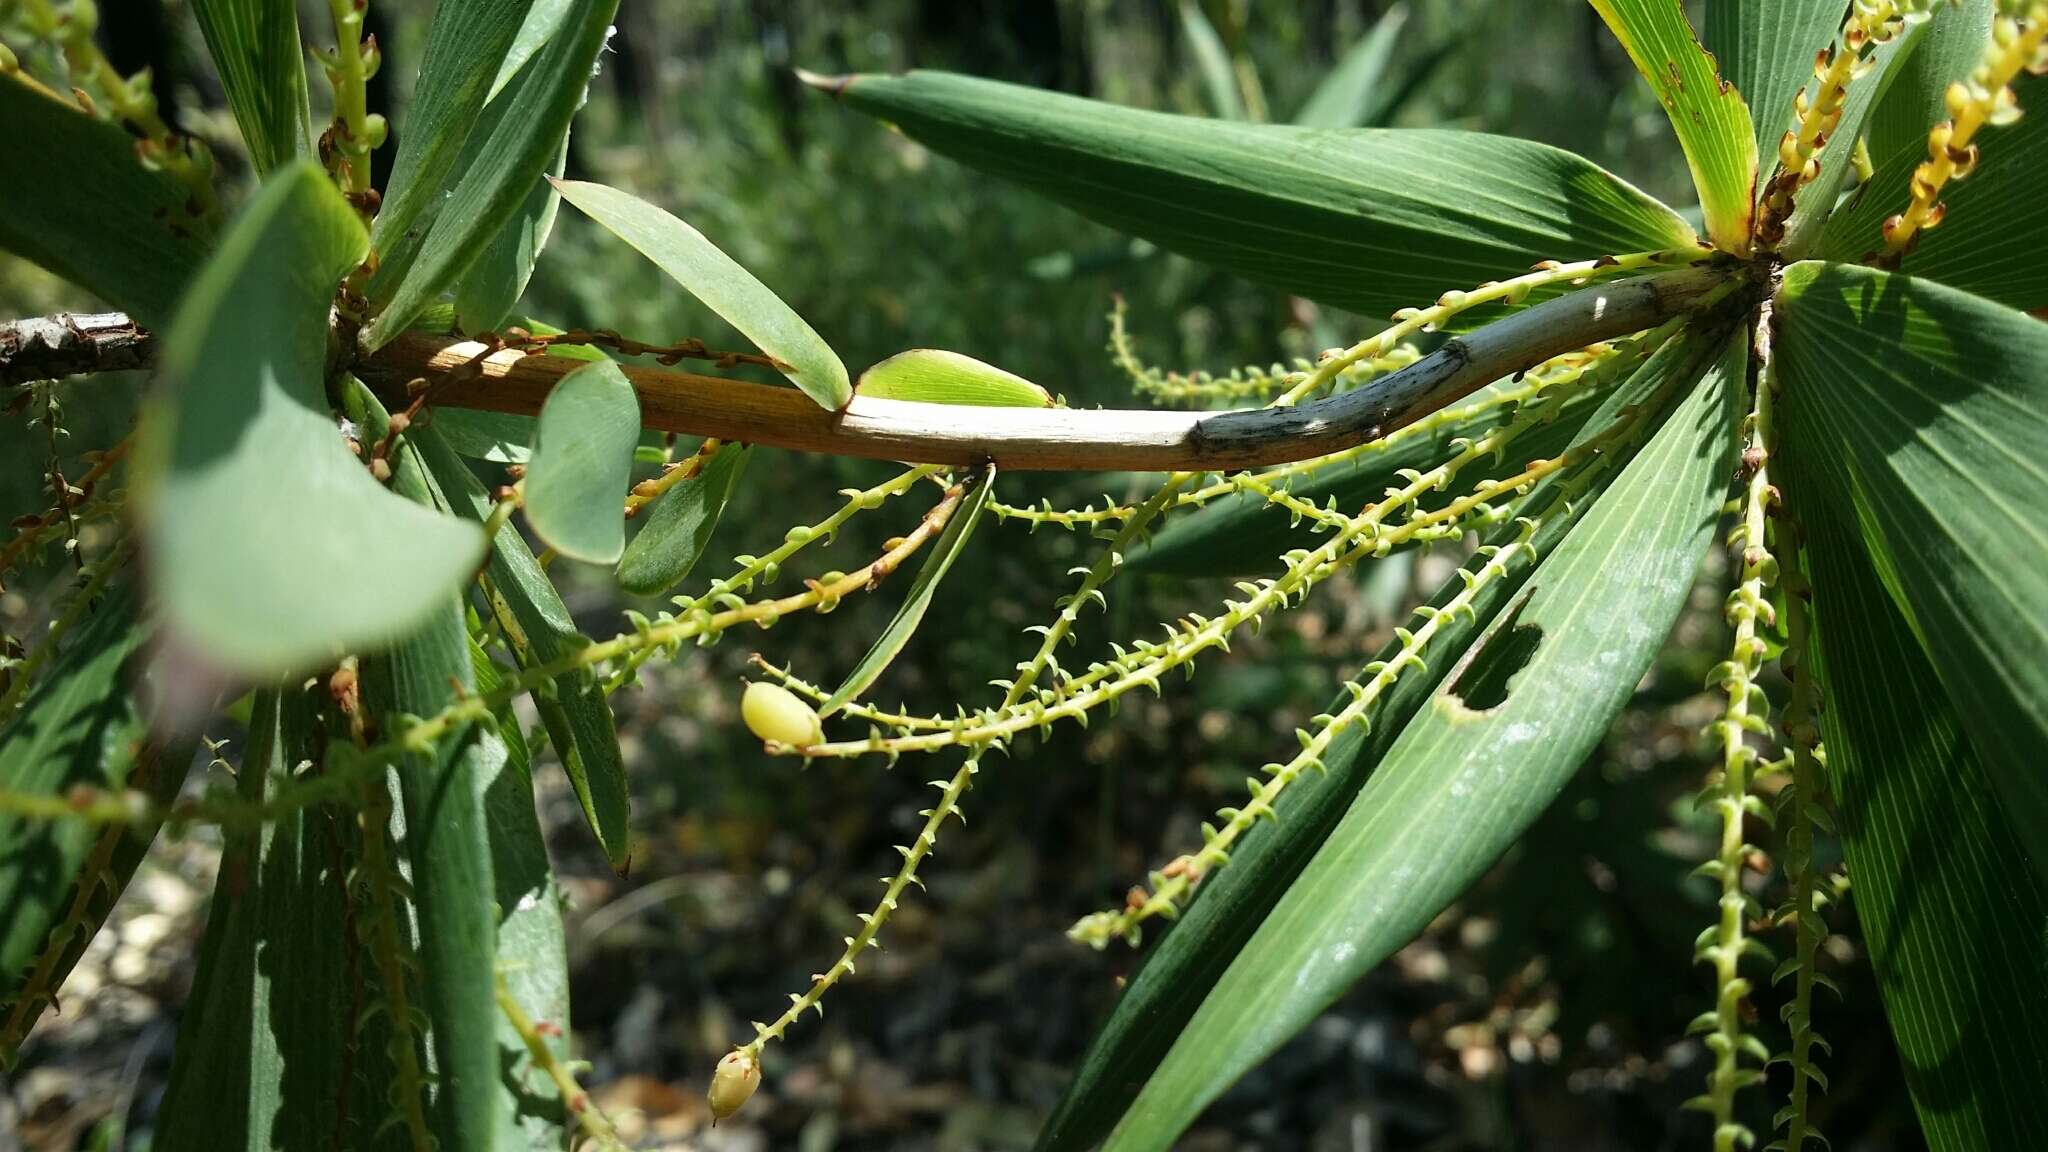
1178	970
1440	810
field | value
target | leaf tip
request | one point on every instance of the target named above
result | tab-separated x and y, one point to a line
836	86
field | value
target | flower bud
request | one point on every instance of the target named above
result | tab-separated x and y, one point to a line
739	1073
780	716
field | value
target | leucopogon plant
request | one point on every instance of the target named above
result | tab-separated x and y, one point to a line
1578	389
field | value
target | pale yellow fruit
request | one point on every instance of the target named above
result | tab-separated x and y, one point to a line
780	716
734	1083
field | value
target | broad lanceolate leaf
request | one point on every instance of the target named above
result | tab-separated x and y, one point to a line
582	463
1994	240
1240	534
1180	969
1916	86
1212	60
507	163
1357	89
1765	48
1712	123
538	626
271	547
1369	220
1944	898
466	46
680	523
1920	415
256	49
939	377
947	548
286	1045
119	231
726	288
81	727
1459	785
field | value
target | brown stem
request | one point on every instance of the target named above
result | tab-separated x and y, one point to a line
72	344
1060	439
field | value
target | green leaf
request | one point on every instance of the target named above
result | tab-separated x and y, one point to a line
475	843
447	840
271	1068
1992	240
1459	785
80	727
543	19
679	526
1368	220
1815	203
939	377
1242	533
1944	899
532	946
271	548
466	46
493	285
726	288
1921	416
505	164
1712	123
1212	60
1180	968
495	436
118	230
540	630
1915	94
582	463
1765	48
256	50
1356	89
947	548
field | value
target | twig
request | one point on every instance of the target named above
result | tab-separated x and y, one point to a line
72	344
1073	439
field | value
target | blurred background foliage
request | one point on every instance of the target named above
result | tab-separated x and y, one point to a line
1546	1011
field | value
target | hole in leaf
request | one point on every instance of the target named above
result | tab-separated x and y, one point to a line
1483	678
